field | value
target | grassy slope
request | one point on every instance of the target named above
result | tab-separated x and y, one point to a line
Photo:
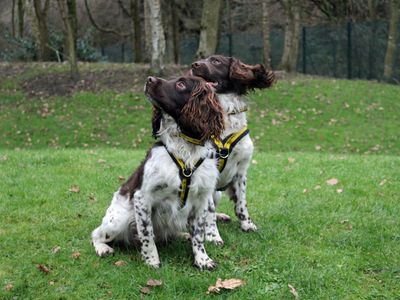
326	244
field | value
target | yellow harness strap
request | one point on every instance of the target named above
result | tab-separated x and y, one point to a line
191	140
185	174
224	148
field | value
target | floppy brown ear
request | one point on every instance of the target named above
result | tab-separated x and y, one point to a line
202	113
156	120
253	76
241	71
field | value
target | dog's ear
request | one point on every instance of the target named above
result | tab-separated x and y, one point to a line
156	120
203	113
251	76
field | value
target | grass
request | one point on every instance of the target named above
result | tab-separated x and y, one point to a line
328	242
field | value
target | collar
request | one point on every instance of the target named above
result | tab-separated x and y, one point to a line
191	140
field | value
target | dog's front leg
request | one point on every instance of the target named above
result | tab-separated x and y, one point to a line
196	228
211	229
145	230
237	192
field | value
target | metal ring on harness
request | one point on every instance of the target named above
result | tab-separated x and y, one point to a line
185	174
223	153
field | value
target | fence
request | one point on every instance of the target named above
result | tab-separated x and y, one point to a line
351	50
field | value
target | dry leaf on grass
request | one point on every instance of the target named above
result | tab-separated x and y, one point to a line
293	291
305	191
332	181
254	162
291	160
317	187
121	178
154	282
339	191
56	249
8	287
101	161
43	268
74	189
3	158
382	182
145	290
52	282
120	263
76	254
228	284
318	147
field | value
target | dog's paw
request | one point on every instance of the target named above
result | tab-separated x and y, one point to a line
248	226
208	264
223	218
103	250
217	240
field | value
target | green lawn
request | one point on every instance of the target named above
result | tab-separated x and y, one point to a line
327	241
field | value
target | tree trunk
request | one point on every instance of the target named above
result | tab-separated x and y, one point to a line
266	33
391	44
137	31
20	18
157	37
13	18
372	39
147	31
175	29
209	28
169	30
41	16
68	18
292	32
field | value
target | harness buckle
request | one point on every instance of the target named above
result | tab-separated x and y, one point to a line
223	153
187	173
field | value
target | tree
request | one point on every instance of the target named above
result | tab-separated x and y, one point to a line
43	31
209	28
13	18
394	6
292	33
157	37
67	10
266	33
20	8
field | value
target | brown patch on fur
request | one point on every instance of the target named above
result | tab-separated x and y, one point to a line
134	182
203	112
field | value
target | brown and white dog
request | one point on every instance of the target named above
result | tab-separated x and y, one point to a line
147	208
232	80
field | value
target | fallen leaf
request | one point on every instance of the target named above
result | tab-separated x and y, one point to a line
293	291
254	162
154	282
228	284
101	161
43	268
305	191
56	249
92	198
318	147
349	227
317	187
120	263
3	158
382	182
121	178
76	254
339	191
332	181
145	290
51	282
74	189
291	160
8	287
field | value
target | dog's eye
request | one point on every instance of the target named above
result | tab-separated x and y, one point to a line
180	85
215	62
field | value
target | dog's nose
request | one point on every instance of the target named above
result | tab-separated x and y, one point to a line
151	79
195	65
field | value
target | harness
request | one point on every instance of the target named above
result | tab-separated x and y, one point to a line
225	147
185	175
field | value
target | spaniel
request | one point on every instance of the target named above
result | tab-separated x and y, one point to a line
172	188
232	80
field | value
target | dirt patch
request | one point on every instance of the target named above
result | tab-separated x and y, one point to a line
93	78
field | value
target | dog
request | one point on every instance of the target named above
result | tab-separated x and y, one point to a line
172	188
232	80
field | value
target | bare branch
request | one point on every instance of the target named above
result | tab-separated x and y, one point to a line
105	30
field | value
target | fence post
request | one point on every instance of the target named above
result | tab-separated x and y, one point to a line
304	51
349	58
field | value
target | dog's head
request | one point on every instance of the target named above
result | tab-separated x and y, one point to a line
231	75
191	101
